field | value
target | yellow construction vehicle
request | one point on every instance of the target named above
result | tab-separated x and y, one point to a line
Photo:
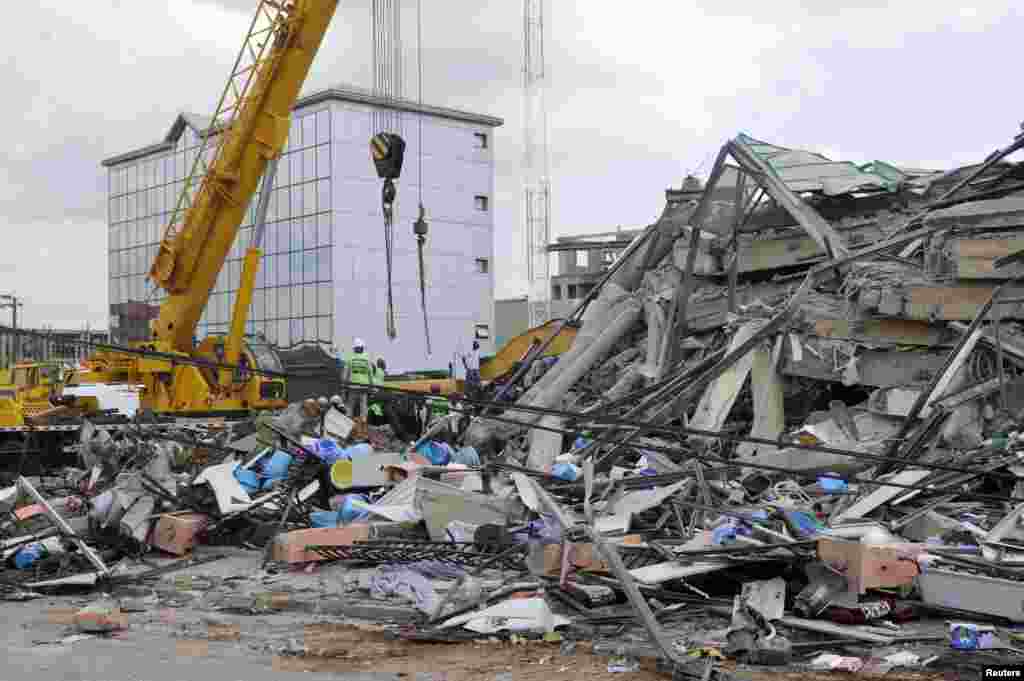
33	392
515	350
249	130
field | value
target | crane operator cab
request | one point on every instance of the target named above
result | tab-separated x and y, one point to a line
267	391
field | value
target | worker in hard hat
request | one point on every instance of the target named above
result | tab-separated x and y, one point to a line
376	409
357	370
471	361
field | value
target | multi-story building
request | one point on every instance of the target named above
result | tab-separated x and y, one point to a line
323	274
582	262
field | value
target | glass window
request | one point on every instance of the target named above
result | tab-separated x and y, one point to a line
309	266
270	304
131	173
280	267
270	331
309	129
295	242
233	274
582	258
323	160
114	214
323	329
265	275
295	136
323	126
309	164
323	195
295	265
323	264
309	299
295	161
258	309
324	299
309	198
324	231
296	331
273	207
309	239
129	207
296	293
284	174
142	205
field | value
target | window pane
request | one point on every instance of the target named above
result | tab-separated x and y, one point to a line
284	301
309	129
129	207
323	264
298	201
270	331
258	308
324	231
295	163
309	266
323	160
309	190
309	299
296	331
295	258
284	172
270	304
325	332
261	273
323	192
309	232
295	136
283	272
296	291
114	214
233	274
325	302
295	240
309	164
283	336
323	126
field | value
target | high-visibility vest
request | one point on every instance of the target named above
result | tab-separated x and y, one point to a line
438	406
359	365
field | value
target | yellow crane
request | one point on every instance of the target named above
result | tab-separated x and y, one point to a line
249	130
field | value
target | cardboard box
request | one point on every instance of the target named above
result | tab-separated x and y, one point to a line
291	547
868	566
581	557
176	532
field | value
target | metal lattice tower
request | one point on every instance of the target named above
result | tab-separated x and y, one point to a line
536	179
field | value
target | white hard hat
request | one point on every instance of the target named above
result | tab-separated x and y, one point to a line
358	343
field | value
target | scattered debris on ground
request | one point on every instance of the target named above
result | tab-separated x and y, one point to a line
789	434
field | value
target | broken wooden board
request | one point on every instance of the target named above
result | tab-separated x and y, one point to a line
876	368
960	301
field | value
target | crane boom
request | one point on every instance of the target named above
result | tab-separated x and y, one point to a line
251	127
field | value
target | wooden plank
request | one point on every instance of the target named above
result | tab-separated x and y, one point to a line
946	302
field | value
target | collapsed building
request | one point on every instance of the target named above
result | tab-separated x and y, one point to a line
794	402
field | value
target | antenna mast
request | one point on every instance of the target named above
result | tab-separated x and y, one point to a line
536	180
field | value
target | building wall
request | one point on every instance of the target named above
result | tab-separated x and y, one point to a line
511	318
322	276
459	253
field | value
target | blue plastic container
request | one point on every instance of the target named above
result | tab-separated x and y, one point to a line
249	479
29	555
353	508
565	471
277	467
324	519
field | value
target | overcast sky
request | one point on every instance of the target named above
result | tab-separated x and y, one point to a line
640	93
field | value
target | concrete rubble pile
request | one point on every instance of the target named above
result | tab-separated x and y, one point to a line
788	433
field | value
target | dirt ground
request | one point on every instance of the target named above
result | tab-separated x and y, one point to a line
342	648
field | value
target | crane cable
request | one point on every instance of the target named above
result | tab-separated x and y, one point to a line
387	62
420	226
